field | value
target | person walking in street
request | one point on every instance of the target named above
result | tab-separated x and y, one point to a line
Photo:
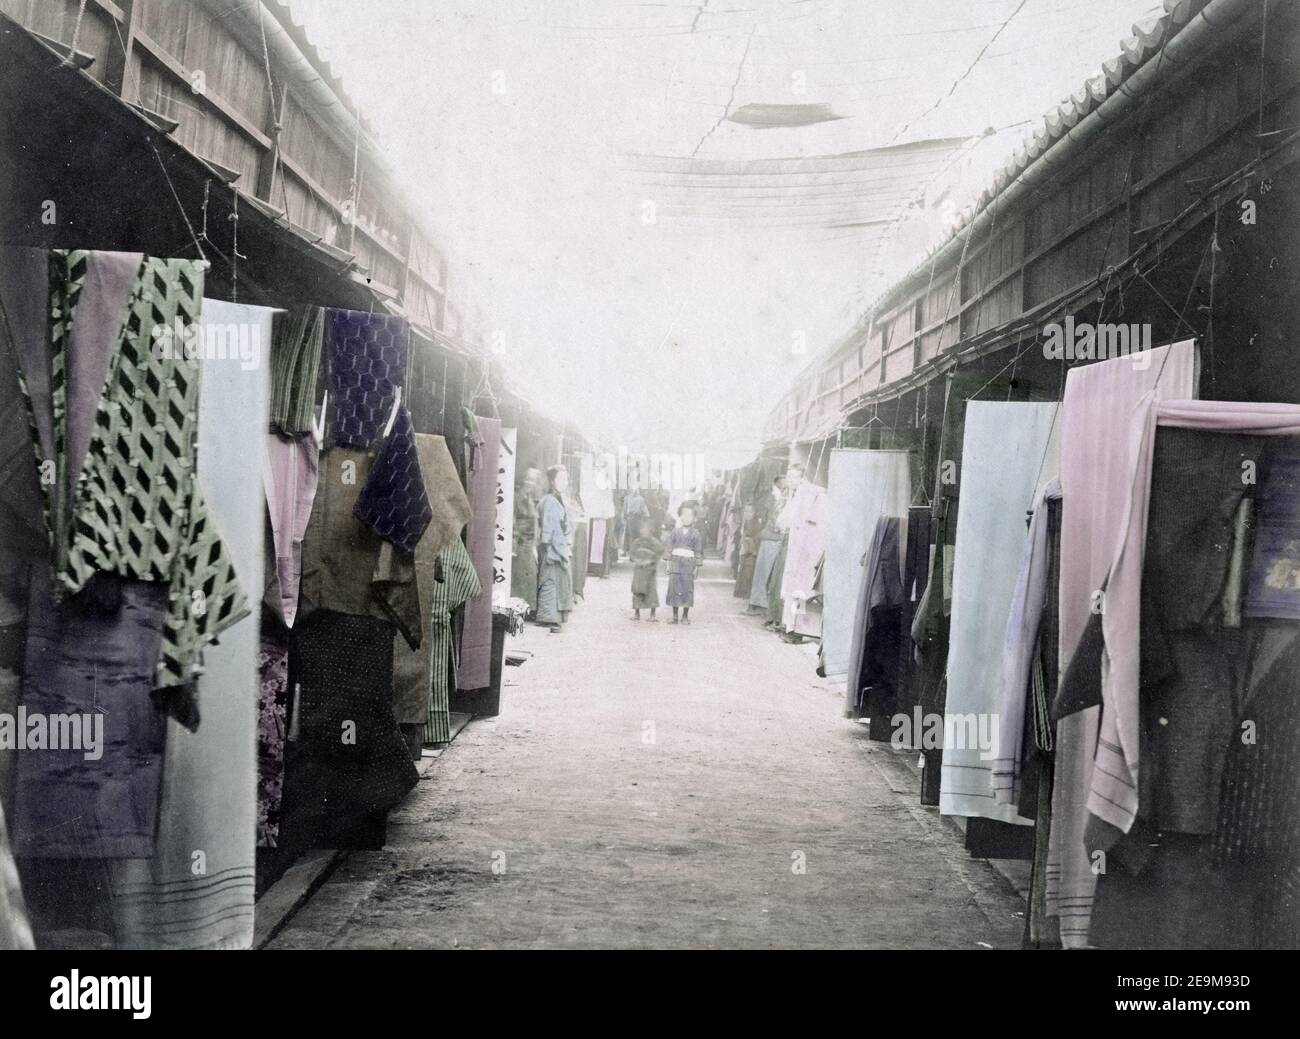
686	556
555	587
647	550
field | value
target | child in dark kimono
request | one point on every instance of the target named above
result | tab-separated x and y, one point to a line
685	557
647	550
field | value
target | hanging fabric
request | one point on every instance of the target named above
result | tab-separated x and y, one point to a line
1097	397
394	503
413	669
367	362
296	343
458	583
1008	449
1019	650
861	487
196	889
290	472
806	546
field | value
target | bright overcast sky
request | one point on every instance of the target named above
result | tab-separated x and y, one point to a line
534	134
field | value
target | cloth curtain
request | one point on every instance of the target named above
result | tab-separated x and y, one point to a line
861	487
1008	451
803	554
196	890
1098	397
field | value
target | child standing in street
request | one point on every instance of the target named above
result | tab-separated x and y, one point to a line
647	550
685	557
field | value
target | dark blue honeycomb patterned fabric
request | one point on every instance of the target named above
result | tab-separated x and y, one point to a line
394	502
367	359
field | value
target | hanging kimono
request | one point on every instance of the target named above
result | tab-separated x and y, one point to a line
114	408
413	669
1098	396
1009	450
133	507
455	582
393	502
367	363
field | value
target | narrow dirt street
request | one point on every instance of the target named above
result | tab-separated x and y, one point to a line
650	785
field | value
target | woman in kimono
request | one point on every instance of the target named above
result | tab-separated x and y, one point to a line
523	566
555	587
685	557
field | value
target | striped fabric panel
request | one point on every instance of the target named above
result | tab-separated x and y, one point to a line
459	584
295	368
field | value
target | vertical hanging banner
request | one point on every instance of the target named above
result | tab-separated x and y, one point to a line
502	548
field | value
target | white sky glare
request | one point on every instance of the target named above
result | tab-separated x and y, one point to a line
596	177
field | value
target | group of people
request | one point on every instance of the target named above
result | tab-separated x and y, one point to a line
544	536
684	551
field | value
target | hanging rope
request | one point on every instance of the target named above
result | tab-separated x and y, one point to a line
207	191
235	254
1215	249
177	198
276	127
71	57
